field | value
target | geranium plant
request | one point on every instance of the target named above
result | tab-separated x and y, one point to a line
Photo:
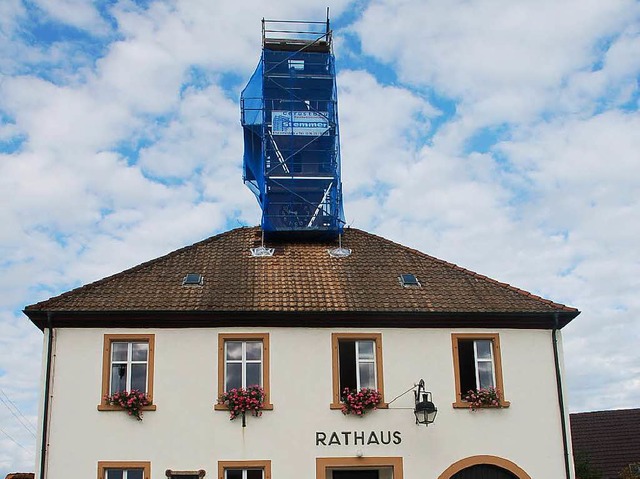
357	402
241	400
483	397
131	401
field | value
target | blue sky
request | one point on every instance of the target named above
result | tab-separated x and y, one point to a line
498	135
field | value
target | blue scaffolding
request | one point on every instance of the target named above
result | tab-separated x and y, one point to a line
290	120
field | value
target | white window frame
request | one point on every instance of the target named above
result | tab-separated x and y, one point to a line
366	361
244	471
478	360
243	360
128	362
125	472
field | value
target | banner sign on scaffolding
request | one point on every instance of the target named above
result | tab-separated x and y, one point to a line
304	123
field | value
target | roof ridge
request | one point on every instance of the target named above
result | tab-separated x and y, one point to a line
608	411
94	284
473	273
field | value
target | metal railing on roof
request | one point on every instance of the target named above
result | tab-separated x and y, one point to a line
296	35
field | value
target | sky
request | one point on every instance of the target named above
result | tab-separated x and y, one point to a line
501	136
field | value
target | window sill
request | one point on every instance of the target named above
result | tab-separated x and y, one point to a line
338	406
467	405
111	407
222	407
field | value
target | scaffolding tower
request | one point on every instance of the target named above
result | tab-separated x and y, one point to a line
289	116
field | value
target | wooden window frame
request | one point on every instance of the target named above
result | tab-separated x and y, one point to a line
335	363
264	465
264	337
109	339
497	365
104	465
324	463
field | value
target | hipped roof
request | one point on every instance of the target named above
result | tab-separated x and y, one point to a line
609	440
301	284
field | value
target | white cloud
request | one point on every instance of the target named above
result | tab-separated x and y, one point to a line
81	14
503	60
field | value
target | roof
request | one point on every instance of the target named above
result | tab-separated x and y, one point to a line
609	439
20	475
300	278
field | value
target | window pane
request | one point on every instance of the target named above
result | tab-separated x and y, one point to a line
234	473
234	349
483	348
115	474
119	351
367	375
347	361
254	350
254	374
467	365
365	349
135	474
140	351
234	376
485	373
118	378
139	377
254	474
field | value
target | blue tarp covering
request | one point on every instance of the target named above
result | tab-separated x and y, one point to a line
291	141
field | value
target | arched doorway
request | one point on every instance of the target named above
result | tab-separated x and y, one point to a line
484	471
484	467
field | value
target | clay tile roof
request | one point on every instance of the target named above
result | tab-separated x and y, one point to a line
610	440
20	475
299	277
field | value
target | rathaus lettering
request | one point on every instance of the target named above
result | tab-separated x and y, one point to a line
357	438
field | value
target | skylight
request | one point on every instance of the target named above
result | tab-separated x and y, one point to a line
193	279
409	279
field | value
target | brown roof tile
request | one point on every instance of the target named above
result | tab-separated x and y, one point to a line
609	439
300	276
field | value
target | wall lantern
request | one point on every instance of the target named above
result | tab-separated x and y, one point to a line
425	410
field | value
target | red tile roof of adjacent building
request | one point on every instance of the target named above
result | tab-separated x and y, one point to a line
300	277
610	440
20	475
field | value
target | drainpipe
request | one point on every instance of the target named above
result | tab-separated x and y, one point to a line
45	411
563	422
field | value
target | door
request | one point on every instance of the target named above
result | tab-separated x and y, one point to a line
484	471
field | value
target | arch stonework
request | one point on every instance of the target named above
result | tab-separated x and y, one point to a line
478	460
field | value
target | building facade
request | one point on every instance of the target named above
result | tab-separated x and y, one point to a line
303	325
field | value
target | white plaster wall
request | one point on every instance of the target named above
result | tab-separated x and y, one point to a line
185	433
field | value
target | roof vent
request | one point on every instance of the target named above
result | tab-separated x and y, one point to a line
339	252
409	280
262	251
192	279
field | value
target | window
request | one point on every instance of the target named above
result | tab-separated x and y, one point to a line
407	280
127	363
357	363
243	361
124	470
244	470
477	364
